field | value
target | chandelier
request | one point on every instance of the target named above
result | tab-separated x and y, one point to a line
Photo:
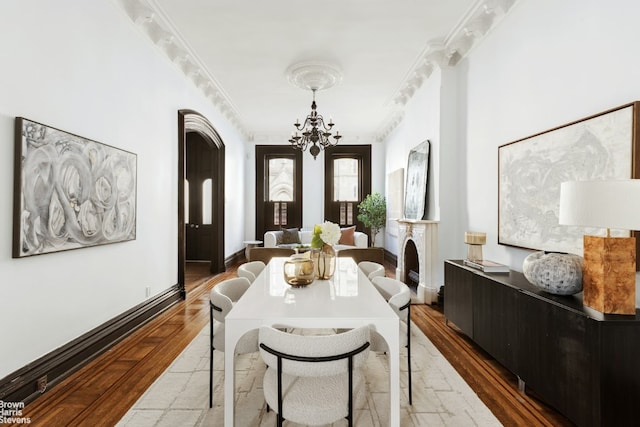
314	132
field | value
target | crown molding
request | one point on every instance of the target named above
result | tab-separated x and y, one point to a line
149	18
480	18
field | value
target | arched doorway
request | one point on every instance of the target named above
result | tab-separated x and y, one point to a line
204	234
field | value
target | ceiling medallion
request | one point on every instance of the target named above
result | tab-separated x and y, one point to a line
314	75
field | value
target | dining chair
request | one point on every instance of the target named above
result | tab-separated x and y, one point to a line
372	269
398	295
313	379
251	269
221	300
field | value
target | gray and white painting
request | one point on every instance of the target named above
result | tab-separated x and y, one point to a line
532	169
415	199
72	192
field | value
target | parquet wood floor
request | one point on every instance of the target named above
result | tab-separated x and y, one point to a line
100	393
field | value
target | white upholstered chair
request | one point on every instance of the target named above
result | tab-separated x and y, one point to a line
251	269
372	269
313	380
398	295
221	300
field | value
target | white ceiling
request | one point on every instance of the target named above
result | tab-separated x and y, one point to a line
243	49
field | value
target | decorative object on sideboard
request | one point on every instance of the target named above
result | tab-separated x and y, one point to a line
599	147
609	271
474	241
69	192
314	132
372	211
415	196
557	273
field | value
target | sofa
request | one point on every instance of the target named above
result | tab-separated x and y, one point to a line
294	238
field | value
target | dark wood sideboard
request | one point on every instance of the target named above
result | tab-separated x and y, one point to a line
583	363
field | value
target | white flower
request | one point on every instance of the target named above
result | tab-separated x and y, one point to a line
330	233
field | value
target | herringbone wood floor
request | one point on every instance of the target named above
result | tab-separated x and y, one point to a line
103	391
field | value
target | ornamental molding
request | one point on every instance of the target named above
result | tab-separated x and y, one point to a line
481	17
147	17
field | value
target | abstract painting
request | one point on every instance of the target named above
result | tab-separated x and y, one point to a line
531	170
395	197
416	189
69	192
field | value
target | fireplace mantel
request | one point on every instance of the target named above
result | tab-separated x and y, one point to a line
424	234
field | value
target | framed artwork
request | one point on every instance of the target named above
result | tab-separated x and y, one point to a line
603	146
69	192
415	198
395	192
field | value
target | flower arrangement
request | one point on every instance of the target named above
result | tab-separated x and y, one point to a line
327	232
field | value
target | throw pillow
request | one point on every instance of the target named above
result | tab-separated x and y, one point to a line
347	237
278	237
290	235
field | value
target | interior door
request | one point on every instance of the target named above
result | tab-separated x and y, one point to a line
198	204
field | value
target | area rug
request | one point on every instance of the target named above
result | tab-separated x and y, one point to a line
180	396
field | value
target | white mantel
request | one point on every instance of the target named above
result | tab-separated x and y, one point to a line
424	234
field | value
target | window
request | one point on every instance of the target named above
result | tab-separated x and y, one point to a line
347	182
206	201
278	188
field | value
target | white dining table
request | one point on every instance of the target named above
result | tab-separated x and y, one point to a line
347	300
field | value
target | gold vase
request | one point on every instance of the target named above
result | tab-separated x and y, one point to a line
299	271
324	260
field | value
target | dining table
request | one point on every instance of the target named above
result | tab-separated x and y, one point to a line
347	300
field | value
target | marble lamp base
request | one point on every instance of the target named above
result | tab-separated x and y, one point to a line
609	274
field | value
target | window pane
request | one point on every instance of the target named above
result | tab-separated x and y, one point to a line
345	179
280	186
206	201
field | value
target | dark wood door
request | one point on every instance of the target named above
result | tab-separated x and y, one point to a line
199	219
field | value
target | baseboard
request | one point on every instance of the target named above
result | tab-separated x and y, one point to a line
390	258
22	385
235	259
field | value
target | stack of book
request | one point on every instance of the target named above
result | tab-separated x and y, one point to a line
487	266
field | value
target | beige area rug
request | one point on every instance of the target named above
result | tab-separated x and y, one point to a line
180	397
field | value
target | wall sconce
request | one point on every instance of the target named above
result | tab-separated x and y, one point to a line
609	270
474	241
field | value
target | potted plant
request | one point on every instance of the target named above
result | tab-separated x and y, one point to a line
373	213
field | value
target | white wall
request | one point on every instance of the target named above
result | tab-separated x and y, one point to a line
548	63
545	64
84	68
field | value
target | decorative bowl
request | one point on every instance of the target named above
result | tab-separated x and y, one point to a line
557	273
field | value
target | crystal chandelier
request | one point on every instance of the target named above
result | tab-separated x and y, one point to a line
314	132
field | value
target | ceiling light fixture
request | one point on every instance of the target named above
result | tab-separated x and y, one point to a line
314	132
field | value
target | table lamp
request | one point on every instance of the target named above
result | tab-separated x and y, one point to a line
609	270
474	241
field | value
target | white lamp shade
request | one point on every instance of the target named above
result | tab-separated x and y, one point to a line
604	204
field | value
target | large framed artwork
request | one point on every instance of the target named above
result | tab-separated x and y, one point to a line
69	192
602	146
415	199
395	197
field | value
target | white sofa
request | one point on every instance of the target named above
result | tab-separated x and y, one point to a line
271	238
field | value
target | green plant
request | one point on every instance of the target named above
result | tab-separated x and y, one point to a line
373	214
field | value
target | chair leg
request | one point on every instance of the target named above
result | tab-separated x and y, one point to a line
210	359
409	354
